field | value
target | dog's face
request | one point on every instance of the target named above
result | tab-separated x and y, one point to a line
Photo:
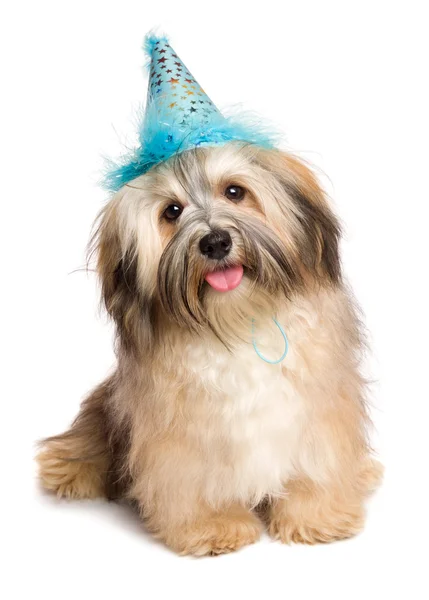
211	236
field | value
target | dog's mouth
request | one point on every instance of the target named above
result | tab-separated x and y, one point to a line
225	280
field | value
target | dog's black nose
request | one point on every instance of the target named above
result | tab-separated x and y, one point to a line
216	245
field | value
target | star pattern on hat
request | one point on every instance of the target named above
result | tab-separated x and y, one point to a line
168	74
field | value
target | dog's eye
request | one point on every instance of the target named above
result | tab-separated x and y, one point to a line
235	193
173	212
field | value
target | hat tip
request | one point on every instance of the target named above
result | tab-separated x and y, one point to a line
151	40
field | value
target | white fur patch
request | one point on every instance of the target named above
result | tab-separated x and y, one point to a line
254	413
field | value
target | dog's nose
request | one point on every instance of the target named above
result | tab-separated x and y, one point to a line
216	245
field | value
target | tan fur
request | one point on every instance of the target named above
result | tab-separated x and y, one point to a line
312	513
211	532
70	479
193	426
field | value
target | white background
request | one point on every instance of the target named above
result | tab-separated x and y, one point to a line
347	83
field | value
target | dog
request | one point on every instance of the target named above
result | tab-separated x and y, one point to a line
207	433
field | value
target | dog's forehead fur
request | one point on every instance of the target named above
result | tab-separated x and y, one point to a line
197	177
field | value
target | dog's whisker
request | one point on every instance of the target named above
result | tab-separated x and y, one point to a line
82	270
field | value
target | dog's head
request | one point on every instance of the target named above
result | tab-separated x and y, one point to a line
211	236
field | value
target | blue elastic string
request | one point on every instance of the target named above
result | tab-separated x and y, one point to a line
283	356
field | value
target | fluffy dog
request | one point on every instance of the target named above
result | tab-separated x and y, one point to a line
209	440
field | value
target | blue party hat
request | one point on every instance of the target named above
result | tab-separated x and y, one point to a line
179	116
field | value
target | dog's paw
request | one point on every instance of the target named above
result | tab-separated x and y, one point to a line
70	479
219	534
331	528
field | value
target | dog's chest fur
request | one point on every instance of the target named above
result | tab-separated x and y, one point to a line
244	415
233	427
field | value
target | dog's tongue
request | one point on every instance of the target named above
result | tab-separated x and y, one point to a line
225	280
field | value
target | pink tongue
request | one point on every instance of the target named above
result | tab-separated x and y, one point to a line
225	280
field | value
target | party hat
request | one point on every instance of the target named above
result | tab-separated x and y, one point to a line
179	116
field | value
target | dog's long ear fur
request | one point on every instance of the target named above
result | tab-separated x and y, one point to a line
118	271
319	248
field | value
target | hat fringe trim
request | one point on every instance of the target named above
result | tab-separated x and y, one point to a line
243	127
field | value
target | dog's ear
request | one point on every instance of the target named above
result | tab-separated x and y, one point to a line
117	267
319	246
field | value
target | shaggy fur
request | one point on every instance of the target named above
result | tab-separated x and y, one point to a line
193	426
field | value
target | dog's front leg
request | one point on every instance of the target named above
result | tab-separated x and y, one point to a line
169	491
324	501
